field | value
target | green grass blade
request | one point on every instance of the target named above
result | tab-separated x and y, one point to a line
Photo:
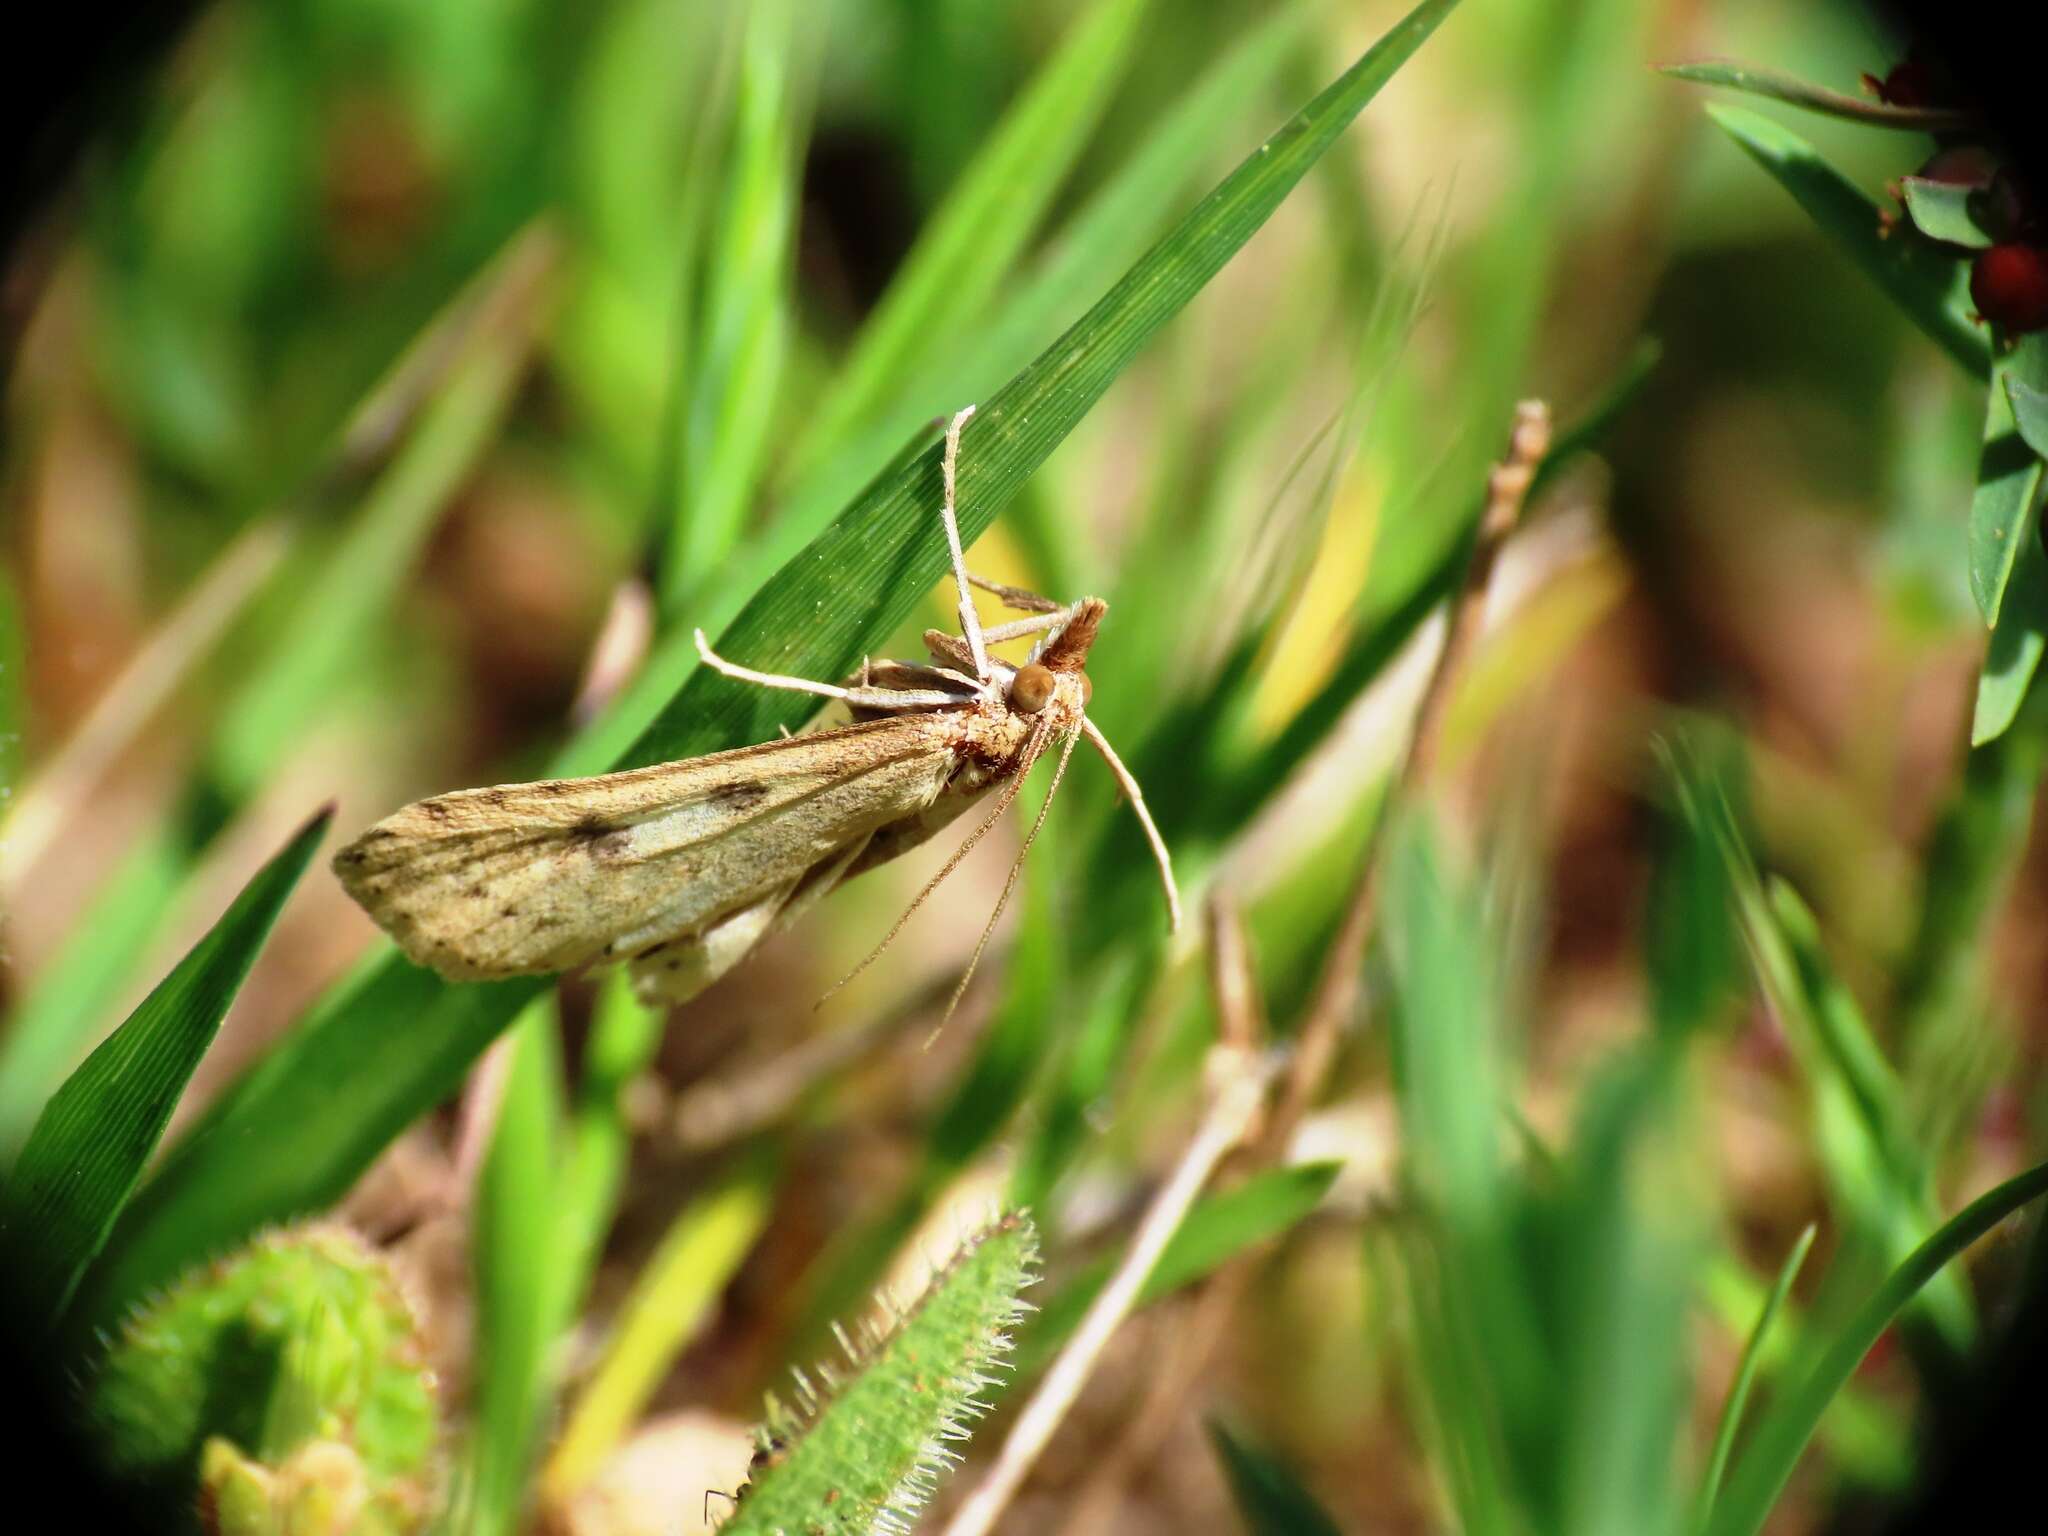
1925	284
1104	238
396	1042
1786	1430
1745	1375
364	574
267	712
1269	1497
512	1259
672	1298
740	335
87	1151
972	243
80	985
1794	92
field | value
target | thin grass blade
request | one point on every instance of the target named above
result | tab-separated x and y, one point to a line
89	1147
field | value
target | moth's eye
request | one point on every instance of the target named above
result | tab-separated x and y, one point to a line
1032	689
1087	690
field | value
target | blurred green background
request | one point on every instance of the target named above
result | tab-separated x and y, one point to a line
398	383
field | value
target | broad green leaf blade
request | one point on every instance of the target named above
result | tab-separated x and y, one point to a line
396	1042
1217	1229
1795	92
2008	480
1745	1374
517	1314
1941	211
1928	286
2014	654
1270	1498
88	1149
975	238
2029	413
1786	1430
2008	569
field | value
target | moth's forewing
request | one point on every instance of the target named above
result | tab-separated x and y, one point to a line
534	878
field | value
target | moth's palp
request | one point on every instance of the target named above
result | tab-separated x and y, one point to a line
970	621
1136	796
859	698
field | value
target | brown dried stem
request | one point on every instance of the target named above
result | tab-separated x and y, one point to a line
1335	998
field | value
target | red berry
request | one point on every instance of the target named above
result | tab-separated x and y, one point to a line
1964	165
2009	286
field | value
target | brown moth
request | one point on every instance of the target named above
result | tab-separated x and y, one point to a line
682	868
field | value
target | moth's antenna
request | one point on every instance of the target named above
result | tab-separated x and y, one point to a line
1016	868
970	621
1032	748
1137	798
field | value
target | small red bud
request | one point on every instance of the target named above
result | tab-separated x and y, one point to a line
2009	286
1910	84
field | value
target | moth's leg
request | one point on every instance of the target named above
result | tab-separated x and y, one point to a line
1015	597
970	621
859	698
899	675
1129	785
1016	629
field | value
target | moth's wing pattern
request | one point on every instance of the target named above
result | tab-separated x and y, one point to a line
533	878
677	970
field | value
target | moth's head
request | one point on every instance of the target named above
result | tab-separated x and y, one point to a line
1056	675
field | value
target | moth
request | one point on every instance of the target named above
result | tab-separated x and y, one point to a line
681	869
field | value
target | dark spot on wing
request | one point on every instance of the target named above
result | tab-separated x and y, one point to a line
738	795
598	839
435	810
476	893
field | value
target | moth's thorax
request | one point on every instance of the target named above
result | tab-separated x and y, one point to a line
995	732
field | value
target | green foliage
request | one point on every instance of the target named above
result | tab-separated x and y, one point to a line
89	1147
1548	1298
867	1451
395	1040
2008	570
1928	287
454	309
280	1389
